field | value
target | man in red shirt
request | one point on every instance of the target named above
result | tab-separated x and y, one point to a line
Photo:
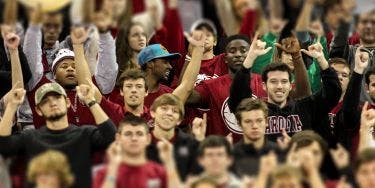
133	82
127	162
214	93
155	62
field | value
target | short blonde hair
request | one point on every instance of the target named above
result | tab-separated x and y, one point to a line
169	99
51	161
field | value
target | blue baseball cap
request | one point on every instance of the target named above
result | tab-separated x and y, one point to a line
155	51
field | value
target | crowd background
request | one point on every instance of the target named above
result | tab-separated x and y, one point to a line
187	93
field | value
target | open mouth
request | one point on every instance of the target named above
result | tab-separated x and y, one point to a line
70	76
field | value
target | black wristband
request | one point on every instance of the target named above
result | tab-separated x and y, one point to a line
90	104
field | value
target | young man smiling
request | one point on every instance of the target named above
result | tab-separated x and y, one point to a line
291	116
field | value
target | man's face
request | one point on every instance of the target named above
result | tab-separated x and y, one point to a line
343	73
161	68
65	74
366	28
166	117
286	182
134	92
333	16
365	175
137	38
235	54
215	161
133	139
316	151
53	106
253	124
48	179
210	41
52	26
278	87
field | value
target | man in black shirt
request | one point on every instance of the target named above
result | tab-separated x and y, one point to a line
78	143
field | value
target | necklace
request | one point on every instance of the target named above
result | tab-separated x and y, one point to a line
75	107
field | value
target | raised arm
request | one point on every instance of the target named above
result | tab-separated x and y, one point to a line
351	113
32	47
12	42
339	44
165	149
366	139
105	132
291	46
331	89
240	87
304	17
106	69
187	83
13	99
226	16
79	36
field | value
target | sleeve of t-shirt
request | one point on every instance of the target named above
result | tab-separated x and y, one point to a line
113	110
202	89
103	135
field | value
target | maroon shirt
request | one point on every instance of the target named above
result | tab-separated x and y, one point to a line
148	175
215	94
117	112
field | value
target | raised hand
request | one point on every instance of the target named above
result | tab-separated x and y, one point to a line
196	39
367	119
79	35
307	161
268	163
361	60
86	93
115	153
165	149
257	48
340	156
36	15
15	96
316	51
12	41
290	45
283	142
199	126
102	21
292	157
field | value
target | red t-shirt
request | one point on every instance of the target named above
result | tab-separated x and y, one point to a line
215	94
78	113
118	112
210	68
149	99
148	175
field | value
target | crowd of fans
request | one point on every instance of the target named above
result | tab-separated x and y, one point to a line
187	93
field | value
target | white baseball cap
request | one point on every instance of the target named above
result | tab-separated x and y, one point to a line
61	55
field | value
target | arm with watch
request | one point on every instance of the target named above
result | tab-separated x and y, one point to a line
104	133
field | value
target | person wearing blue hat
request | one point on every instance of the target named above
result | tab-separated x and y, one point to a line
155	62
